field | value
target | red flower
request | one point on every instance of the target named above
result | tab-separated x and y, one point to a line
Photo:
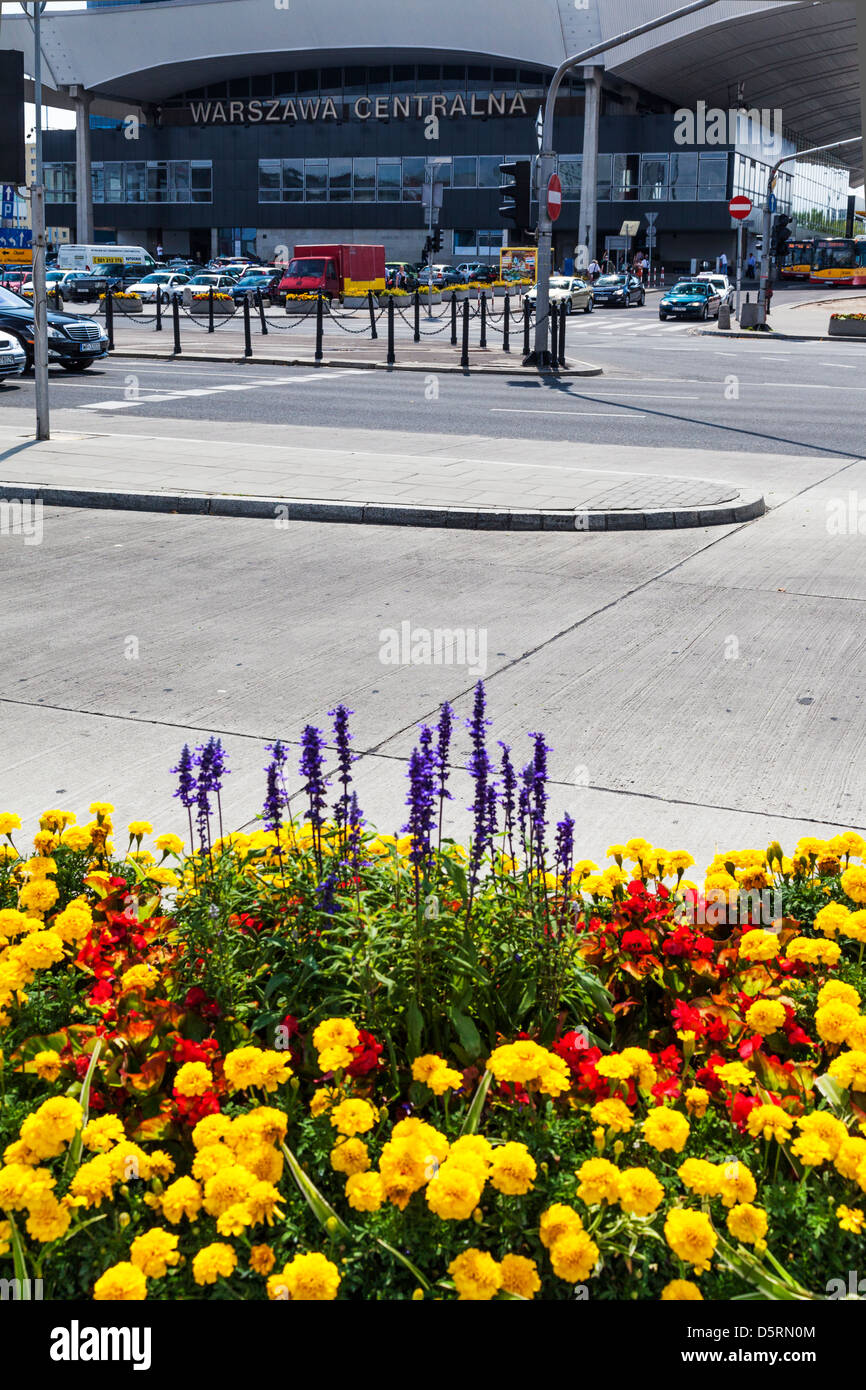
185	1050
741	1107
194	1108
635	941
367	1054
197	999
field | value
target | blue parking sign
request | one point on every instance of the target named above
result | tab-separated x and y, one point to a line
8	200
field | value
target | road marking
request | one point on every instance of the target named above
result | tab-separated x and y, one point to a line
840	366
193	391
583	414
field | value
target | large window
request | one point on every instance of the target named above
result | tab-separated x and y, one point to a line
603	178
465	171
316	180
340	180
390	180
136	181
364	180
684	178
413	178
626	168
653	178
712	177
570	168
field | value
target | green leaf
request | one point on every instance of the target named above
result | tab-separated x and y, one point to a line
457	875
835	1095
273	984
470	1124
467	1032
769	1286
84	1102
414	1025
413	1269
320	1207
18	1260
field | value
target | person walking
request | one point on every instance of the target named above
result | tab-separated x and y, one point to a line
750	266
594	270
723	264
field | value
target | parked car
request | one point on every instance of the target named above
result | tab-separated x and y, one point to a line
720	283
477	270
569	290
619	291
211	280
13	358
408	271
164	284
442	277
73	341
690	299
14	277
265	278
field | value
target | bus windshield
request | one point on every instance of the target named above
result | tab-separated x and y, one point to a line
834	255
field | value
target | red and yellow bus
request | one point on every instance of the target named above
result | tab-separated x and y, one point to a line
796	263
839	261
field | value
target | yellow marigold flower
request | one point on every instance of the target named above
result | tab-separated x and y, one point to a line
477	1277
765	1017
154	1251
735	1074
748	1224
265	1122
424	1067
182	1199
640	1191
255	1066
52	1126
47	1219
76	838
311	1279
850	1154
39	895
759	945
811	1149
193	1079
827	1128
681	1291
771	1121
262	1259
102	1133
336	1033
641	1064
74	922
139	828
11	923
353	1117
556	1221
122	1283
831	918
472	1151
513	1169
47	1065
453	1193
854	926
225	1188
444	1079
736	1183
691	1237
211	1130
615	1068
9	822
851	1219
365	1191
234	1220
169	844
853	882
834	1021
613	1114
128	1162
598	1181
574	1256
322	1101
350	1157
40	949
94	1181
212	1262
141	978
664	1129
697	1100
849	1069
700	1177
519	1276
100	808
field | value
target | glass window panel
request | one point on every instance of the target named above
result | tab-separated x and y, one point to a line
136	181
201	180
465	243
379	81
293	180
179	180
284	83
488	170
441	173
157	182
97	183
308	81
465	172
341	180
712	177
626	168
261	85
603	178
683	177
316	179
269	181
653	177
113	182
332	79
413	178
390	180
570	170
364	181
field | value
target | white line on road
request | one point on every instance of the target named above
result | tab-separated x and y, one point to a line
581	414
192	391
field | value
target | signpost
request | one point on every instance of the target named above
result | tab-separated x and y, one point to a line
8	200
650	241
629	230
740	208
16	246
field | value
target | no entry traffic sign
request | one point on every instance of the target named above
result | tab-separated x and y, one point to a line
554	197
740	207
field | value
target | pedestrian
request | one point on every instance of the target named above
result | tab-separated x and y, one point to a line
594	270
723	264
750	266
159	251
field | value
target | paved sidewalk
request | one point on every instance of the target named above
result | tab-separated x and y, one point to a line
409	487
809	321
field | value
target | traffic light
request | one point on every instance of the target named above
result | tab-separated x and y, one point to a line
780	235
515	192
437	240
428	247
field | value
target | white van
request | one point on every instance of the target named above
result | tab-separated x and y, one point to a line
102	258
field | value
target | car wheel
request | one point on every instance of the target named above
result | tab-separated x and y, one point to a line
642	300
588	306
568	306
76	366
705	313
662	316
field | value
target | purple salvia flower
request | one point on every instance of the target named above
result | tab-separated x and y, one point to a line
312	762
272	812
204	757
565	849
186	781
342	739
421	797
356	820
479	767
509	786
443	747
538	797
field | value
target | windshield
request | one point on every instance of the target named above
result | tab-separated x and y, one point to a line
8	300
306	268
611	280
158	279
691	287
204	279
838	257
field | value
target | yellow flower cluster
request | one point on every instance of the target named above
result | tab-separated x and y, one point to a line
573	1253
249	1067
334	1040
435	1072
306	1279
527	1064
478	1277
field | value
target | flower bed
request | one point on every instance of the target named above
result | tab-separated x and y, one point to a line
847	326
311	1061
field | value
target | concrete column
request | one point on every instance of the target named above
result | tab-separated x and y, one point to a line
592	106
83	187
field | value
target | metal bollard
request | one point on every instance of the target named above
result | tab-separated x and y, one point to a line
391	357
416	337
175	314
109	318
483	297
554	323
261	307
562	317
464	354
453	320
158	311
372	308
319	323
210	309
248	345
506	324
526	328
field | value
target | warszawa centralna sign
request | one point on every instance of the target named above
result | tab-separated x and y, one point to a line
363	108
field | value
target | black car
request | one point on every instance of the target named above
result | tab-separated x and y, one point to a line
265	278
618	291
478	272
73	341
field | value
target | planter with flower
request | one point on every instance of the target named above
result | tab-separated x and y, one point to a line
847	326
123	302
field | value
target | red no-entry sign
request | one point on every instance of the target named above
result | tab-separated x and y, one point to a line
554	197
740	207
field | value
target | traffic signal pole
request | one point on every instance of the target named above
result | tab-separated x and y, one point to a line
546	165
766	255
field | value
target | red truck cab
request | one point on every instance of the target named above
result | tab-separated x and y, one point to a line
334	271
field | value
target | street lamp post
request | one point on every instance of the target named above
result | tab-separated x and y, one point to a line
438	159
765	242
37	219
546	163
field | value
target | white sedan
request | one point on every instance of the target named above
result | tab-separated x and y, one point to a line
569	290
165	283
13	358
720	283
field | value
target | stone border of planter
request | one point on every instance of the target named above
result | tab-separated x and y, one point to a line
354	301
124	306
200	308
301	306
846	328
